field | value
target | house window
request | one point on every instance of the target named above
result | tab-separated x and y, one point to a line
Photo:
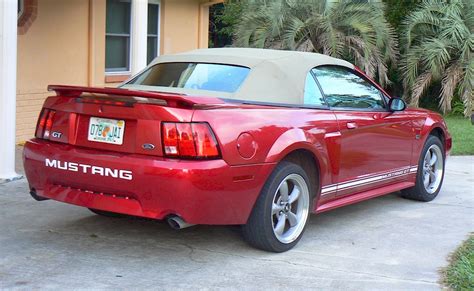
153	32
21	7
117	36
27	12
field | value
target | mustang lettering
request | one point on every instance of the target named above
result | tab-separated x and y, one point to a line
89	169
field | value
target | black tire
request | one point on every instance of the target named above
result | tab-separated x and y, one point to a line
418	192
107	213
259	231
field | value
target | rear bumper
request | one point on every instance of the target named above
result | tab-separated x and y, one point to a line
201	192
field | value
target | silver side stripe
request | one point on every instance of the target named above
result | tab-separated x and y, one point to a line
329	190
370	179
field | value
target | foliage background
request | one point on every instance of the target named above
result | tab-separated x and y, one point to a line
225	19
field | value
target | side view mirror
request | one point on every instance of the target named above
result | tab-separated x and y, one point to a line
397	104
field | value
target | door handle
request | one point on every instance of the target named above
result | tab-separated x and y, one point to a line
351	125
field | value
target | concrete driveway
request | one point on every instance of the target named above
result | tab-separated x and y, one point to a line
384	243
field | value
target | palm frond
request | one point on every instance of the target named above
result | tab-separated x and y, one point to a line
436	56
467	88
420	86
448	85
295	32
440	44
344	29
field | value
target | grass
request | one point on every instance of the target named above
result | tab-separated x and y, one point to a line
459	275
462	132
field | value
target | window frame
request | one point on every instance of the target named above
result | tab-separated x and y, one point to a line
355	72
120	71
303	105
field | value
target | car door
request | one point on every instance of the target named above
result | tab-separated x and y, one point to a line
376	144
323	124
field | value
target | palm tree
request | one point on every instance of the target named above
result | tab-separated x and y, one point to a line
354	31
439	46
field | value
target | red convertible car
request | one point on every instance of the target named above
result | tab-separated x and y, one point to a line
258	138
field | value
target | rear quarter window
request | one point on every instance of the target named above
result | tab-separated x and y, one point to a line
312	94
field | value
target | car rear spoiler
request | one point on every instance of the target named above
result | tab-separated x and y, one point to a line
171	99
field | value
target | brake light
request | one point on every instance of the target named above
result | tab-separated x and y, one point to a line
189	140
45	123
207	144
105	101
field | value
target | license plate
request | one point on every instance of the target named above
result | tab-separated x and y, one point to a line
106	130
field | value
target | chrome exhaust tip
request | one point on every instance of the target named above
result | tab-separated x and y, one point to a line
176	222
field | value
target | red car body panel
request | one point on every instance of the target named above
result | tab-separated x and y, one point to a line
359	155
208	192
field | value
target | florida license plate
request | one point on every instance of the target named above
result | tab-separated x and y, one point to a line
106	130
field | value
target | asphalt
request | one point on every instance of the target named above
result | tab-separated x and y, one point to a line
385	243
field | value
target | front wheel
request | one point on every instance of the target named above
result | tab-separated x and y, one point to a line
280	214
430	173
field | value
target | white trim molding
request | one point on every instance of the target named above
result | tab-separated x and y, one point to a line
8	56
369	179
139	36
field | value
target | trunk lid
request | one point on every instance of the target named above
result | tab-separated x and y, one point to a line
115	119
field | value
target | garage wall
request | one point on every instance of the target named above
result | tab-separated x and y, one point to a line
65	44
53	50
180	22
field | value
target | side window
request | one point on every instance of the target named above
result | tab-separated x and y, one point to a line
345	89
312	94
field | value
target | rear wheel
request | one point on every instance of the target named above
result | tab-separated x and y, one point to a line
430	173
280	214
107	213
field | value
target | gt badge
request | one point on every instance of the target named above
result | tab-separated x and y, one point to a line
56	134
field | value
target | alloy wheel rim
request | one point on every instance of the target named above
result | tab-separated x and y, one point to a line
290	208
432	169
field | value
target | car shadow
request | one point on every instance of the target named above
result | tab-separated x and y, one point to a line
127	233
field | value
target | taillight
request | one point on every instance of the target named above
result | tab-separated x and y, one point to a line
206	145
193	140
45	123
41	123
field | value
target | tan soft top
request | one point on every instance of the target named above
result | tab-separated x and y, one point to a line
276	76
